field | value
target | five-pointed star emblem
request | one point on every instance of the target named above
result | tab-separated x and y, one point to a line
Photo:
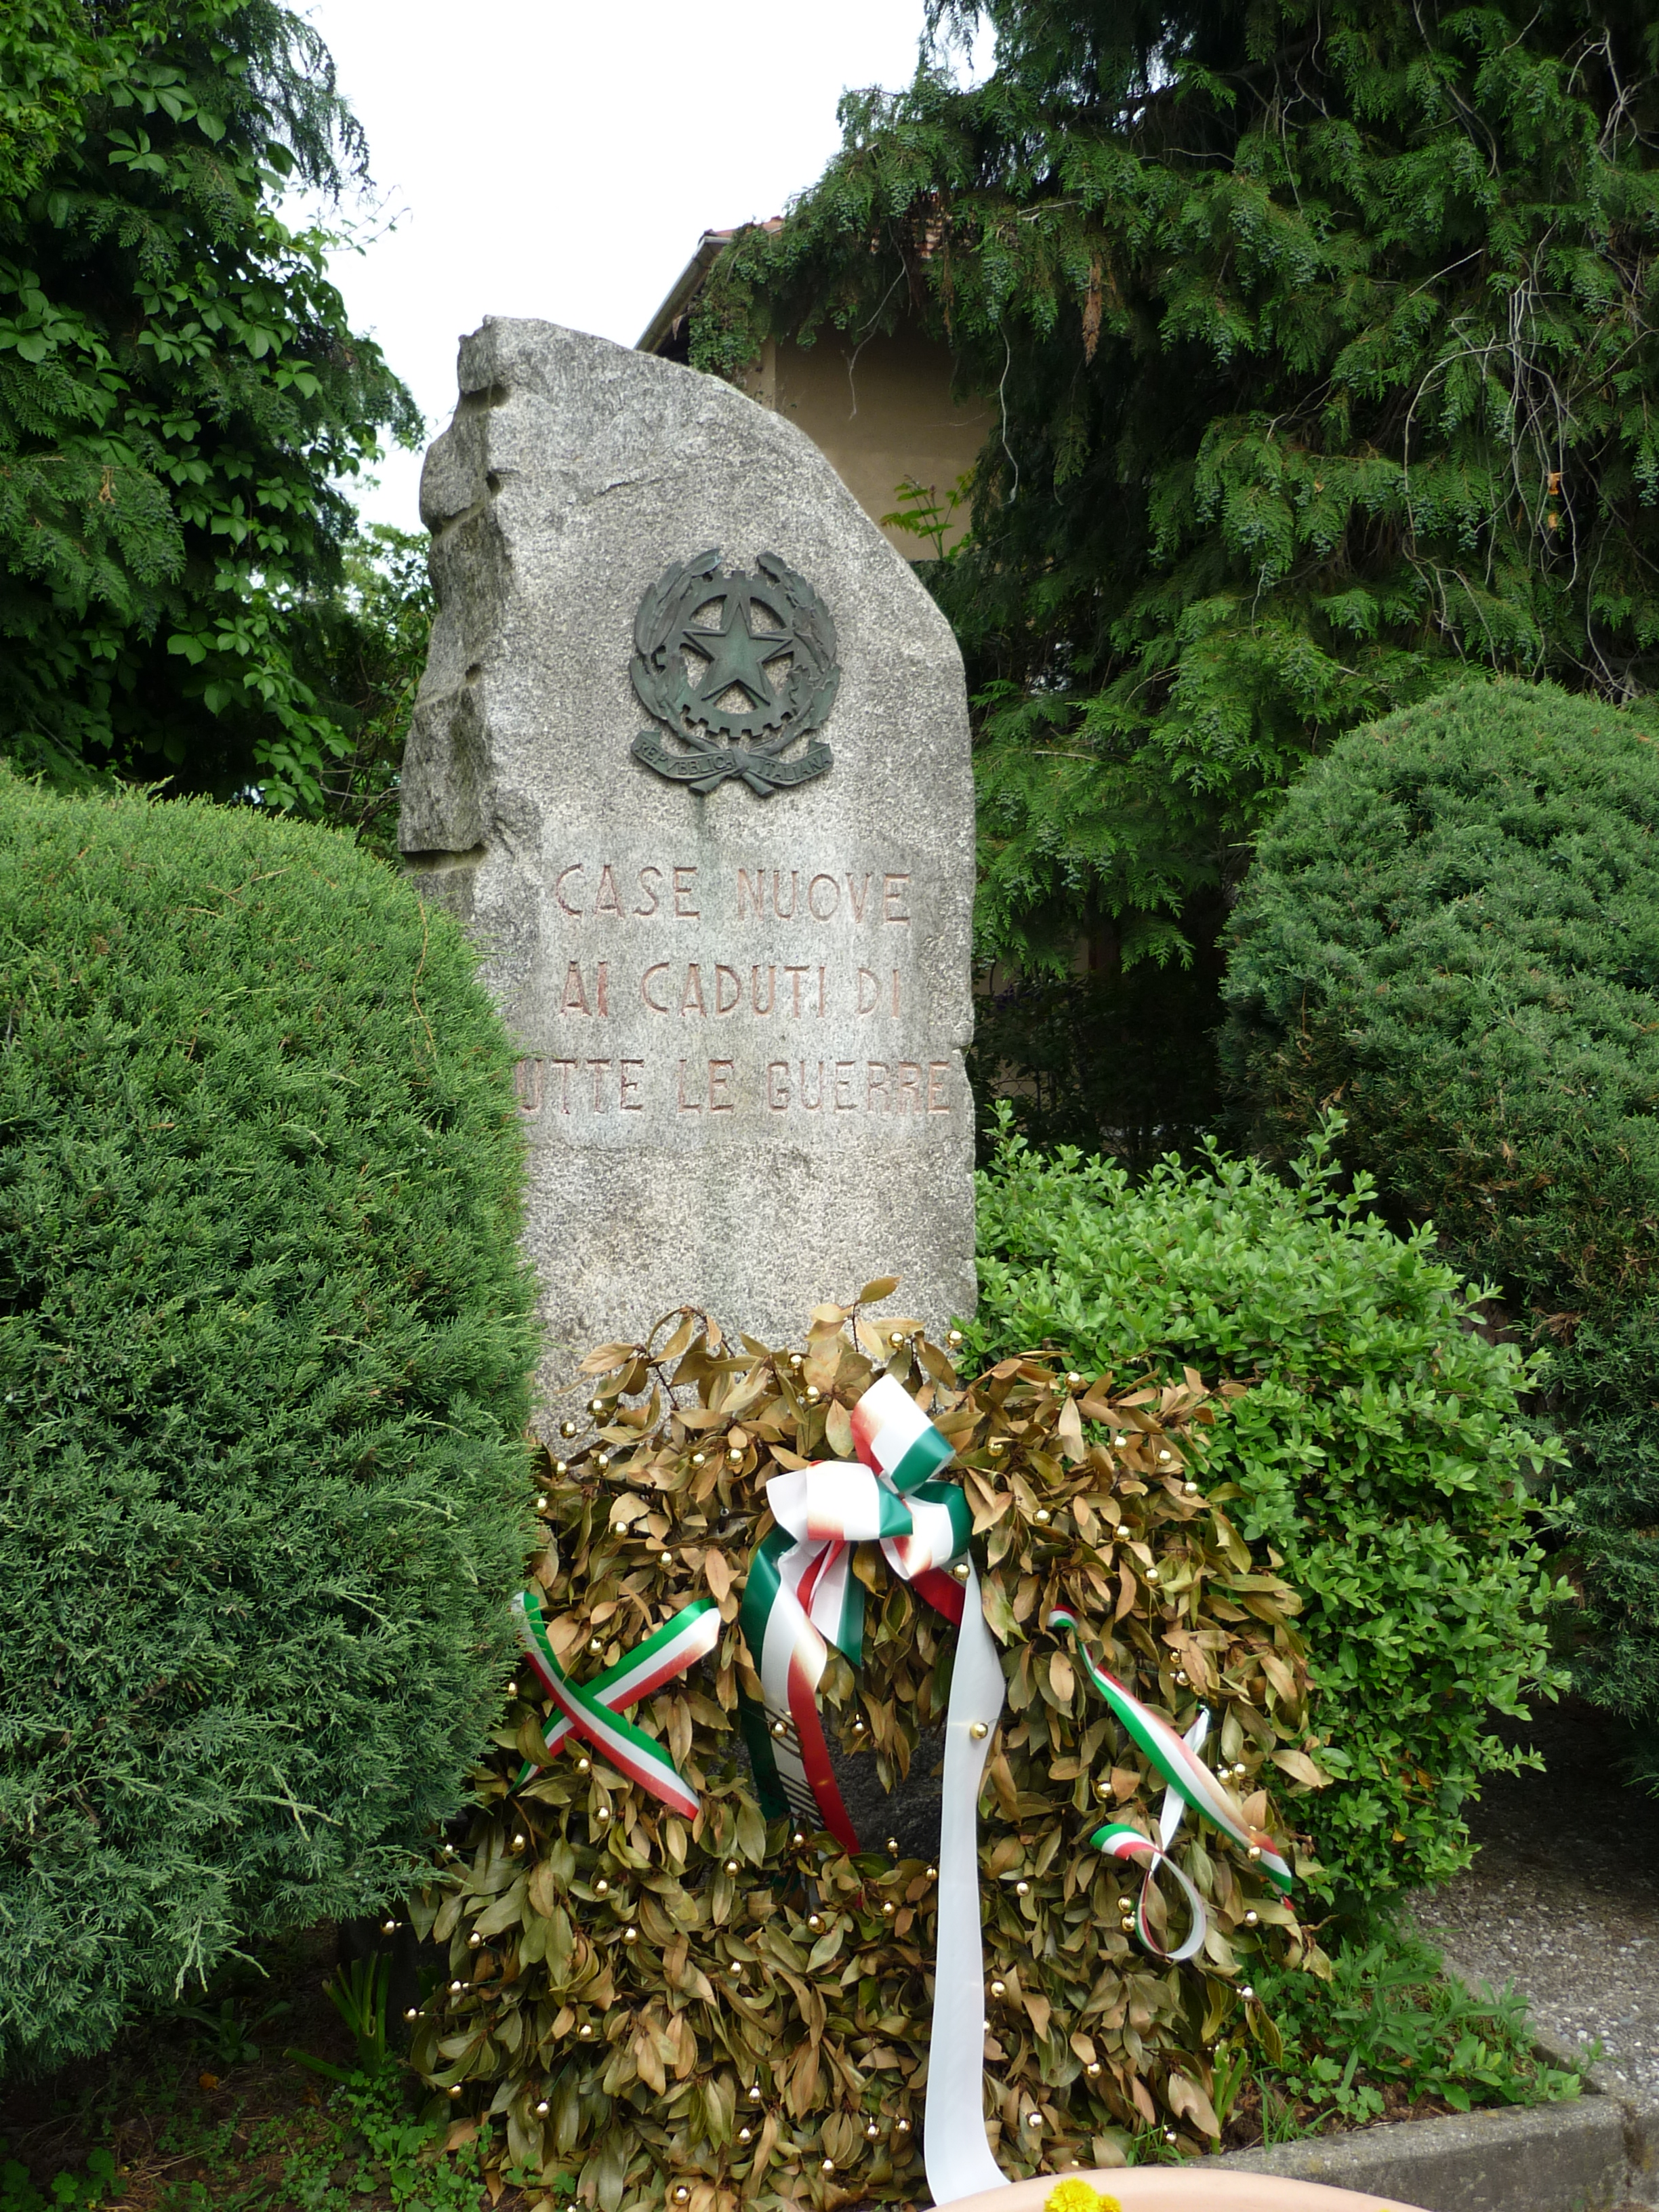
739	654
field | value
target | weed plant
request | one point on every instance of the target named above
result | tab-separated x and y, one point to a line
1390	2029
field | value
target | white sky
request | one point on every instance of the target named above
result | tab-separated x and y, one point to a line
558	160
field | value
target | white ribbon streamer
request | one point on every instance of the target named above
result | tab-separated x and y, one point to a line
956	2148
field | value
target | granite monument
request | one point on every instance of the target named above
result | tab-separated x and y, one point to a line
691	759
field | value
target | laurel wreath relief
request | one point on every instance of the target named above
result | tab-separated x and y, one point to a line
745	742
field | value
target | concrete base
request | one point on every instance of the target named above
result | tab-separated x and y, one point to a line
1591	2154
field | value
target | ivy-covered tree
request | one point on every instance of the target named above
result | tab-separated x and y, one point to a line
182	400
1322	333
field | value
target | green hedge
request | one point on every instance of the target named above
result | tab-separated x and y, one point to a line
1453	925
1378	1451
264	1343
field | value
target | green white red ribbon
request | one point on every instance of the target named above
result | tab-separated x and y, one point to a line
1120	1841
593	1710
1190	1783
801	1595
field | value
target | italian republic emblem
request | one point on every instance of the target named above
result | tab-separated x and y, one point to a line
738	667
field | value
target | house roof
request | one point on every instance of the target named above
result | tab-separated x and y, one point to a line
670	317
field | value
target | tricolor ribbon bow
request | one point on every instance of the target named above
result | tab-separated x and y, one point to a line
1176	1757
802	1595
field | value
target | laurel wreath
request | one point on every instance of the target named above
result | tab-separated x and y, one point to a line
800	706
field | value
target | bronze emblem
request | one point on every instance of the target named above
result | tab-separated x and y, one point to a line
738	667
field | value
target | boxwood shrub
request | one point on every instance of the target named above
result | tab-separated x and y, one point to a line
1453	925
1378	1451
264	1343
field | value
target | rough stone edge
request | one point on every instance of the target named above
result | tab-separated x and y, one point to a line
1572	2156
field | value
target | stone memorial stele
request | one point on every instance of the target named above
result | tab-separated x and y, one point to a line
691	759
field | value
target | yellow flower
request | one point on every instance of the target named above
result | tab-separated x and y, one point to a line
1078	2197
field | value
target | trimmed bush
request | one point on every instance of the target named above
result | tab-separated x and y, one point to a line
1453	925
1377	1454
264	1343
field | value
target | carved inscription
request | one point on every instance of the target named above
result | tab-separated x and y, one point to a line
678	990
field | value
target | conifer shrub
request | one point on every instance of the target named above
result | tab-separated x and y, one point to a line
264	1343
737	2009
1453	926
1376	1456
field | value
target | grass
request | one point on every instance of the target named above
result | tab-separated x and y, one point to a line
257	2097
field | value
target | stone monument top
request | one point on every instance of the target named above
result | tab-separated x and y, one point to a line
690	758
